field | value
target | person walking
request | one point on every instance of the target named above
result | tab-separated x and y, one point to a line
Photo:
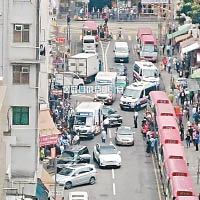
103	136
191	94
171	97
106	124
135	117
197	141
152	142
188	140
182	132
182	97
164	61
180	118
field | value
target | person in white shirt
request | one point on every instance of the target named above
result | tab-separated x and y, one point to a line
105	124
103	136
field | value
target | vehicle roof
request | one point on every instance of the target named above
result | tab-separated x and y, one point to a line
124	127
90	25
173	151
159	97
144	31
89	106
75	148
169	136
78	165
146	64
87	37
165	110
148	38
79	195
121	44
83	55
176	167
182	183
166	122
187	198
106	74
140	85
106	145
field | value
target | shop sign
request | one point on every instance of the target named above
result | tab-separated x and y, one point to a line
49	139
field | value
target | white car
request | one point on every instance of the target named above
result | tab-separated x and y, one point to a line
106	155
77	174
78	196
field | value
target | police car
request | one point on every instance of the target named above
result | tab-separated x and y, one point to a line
136	94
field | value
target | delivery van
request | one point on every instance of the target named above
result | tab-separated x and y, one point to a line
121	52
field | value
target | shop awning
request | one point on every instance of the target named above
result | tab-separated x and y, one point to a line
190	48
49	134
187	42
177	33
182	37
185	26
46	179
198	57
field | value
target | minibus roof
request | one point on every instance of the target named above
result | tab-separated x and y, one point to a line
166	122
158	97
169	136
144	31
165	110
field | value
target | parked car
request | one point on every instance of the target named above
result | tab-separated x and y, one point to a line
76	174
73	155
120	68
78	196
106	155
124	136
115	120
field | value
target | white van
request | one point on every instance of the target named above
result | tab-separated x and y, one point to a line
89	44
146	71
121	52
136	94
106	81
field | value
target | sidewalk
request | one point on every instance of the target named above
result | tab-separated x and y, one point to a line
192	156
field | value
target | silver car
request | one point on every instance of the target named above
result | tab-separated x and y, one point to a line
77	174
124	136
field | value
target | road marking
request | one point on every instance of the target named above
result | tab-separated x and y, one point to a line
102	55
109	132
129	37
113	174
154	167
106	61
114	191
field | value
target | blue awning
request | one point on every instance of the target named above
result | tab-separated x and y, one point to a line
41	192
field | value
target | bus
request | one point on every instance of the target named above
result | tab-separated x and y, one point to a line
90	28
166	122
165	110
143	31
159	97
148	48
187	198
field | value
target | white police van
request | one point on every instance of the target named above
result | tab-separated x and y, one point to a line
146	71
136	94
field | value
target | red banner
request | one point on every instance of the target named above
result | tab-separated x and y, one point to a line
49	139
60	40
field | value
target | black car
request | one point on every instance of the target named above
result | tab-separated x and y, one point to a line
74	154
120	68
107	111
115	120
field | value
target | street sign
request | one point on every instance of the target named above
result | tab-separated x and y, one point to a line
154	1
61	40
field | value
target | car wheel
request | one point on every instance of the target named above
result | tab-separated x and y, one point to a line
92	181
68	185
133	144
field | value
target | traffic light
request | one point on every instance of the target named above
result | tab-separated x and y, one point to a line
68	19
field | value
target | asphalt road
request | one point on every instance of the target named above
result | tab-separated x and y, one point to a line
136	179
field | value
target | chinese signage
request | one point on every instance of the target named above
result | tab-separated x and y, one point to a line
154	1
49	139
60	40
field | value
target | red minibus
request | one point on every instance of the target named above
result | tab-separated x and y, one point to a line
165	110
166	122
143	31
159	97
187	198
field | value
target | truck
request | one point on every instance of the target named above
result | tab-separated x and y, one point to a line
86	65
106	83
88	119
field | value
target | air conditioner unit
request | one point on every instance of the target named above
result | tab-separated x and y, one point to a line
25	69
18	27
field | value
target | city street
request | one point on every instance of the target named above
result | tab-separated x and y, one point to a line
136	179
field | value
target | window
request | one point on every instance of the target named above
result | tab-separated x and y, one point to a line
21	74
20	115
21	33
136	68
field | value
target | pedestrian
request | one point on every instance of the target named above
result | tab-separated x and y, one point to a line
187	112
168	50
103	136
180	118
163	48
182	97
169	66
76	139
164	61
171	97
191	94
182	132
106	124
152	142
135	117
188	140
197	141
148	149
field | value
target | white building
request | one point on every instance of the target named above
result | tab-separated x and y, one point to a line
21	35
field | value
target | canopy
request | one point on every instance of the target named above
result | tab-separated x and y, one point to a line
192	47
182	37
185	26
177	33
187	42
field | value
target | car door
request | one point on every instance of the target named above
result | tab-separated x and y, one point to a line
82	176
96	152
77	177
142	99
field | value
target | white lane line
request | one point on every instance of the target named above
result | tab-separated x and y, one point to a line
114	191
113	174
102	55
109	132
106	61
154	167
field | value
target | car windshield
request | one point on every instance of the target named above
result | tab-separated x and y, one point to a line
108	110
122	50
119	67
124	131
150	73
88	41
135	94
67	155
149	48
82	120
66	171
110	149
